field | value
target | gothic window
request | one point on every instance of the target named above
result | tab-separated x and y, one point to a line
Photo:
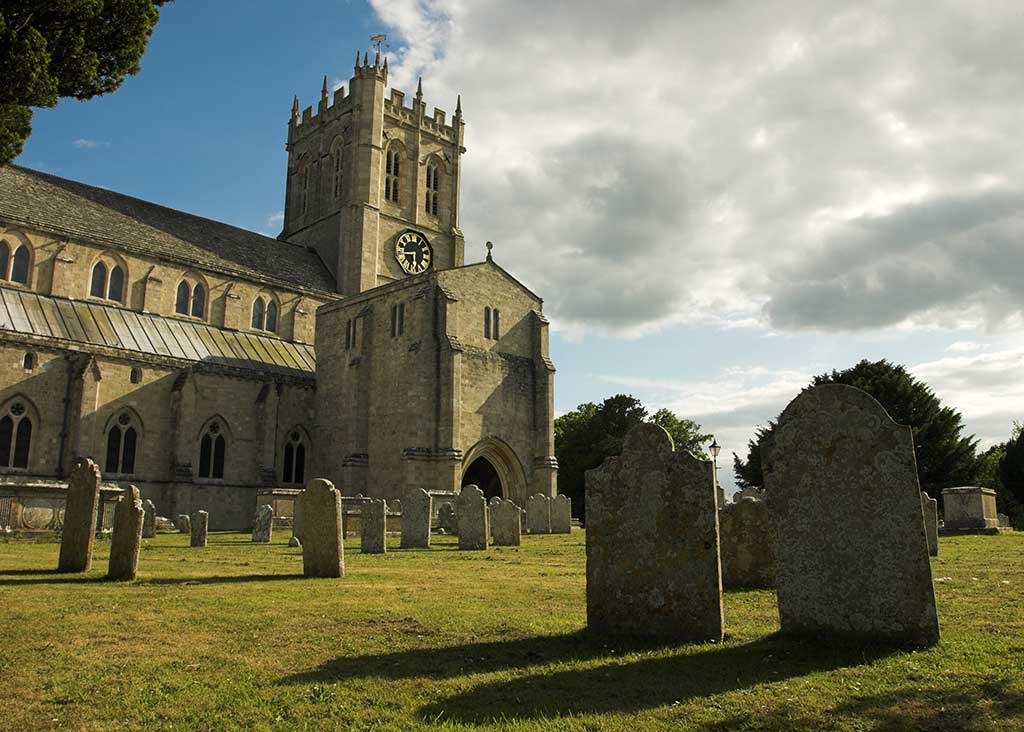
29	361
15	436
122	443
304	191
107	283
99	280
264	314
336	179
392	173
182	298
5	258
14	269
496	325
294	459
212	448
115	288
430	201
487	322
198	300
397	319
272	316
257	313
135	376
190	299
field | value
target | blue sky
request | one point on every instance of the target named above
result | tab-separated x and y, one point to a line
716	201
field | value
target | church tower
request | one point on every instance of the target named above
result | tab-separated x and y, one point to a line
373	185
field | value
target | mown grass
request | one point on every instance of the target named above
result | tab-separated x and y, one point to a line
232	638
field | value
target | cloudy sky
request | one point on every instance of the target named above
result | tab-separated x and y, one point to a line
717	200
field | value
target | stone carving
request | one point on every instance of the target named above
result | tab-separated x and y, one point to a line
561	515
80	512
748	558
471	515
969	508
200	521
148	521
652	542
374	526
129	522
184	524
446	520
417	508
505	526
845	506
538	514
930	509
263	526
323	554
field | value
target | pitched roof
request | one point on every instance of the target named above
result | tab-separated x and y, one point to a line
56	205
29	313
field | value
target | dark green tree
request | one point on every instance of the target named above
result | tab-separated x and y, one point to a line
70	48
748	472
1010	492
945	457
686	434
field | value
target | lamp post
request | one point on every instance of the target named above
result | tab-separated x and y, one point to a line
715	448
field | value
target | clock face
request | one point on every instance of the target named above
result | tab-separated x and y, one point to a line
413	252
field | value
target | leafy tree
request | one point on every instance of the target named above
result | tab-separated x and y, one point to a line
1010	495
945	458
72	48
686	434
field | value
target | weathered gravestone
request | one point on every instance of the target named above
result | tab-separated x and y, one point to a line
148	520
1004	521
845	506
748	559
505	526
200	521
446	519
561	515
263	526
297	519
930	509
294	543
184	524
417	509
471	516
129	520
323	554
652	542
969	508
374	526
538	514
80	507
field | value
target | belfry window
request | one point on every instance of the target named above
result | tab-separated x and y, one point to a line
336	180
397	319
190	299
392	171
15	436
264	315
107	283
304	192
294	459
14	268
122	444
212	449
430	200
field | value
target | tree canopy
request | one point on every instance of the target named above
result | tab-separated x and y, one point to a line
945	457
72	48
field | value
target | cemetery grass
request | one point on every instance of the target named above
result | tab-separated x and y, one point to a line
231	638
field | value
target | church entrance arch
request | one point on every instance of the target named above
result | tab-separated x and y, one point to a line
493	466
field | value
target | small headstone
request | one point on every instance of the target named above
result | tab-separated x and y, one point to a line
294	542
184	524
80	508
748	558
148	521
1004	521
297	519
538	514
323	554
164	524
129	520
263	525
416	513
200	521
446	519
652	542
505	527
930	509
561	515
374	526
471	514
845	506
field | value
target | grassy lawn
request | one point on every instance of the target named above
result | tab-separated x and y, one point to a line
232	638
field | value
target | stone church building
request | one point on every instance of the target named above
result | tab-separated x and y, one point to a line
210	365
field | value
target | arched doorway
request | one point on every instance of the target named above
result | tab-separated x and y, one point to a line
483	475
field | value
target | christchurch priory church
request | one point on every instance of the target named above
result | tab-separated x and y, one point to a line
213	367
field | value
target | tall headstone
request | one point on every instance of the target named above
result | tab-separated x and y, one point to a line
561	515
505	526
538	514
184	524
471	516
297	519
323	554
200	521
446	518
845	506
80	508
263	526
417	509
748	558
930	509
129	521
374	526
148	520
652	542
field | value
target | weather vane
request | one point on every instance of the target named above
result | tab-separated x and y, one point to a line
379	40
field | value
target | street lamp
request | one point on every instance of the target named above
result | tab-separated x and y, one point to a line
715	449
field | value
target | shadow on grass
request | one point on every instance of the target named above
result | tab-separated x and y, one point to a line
52	577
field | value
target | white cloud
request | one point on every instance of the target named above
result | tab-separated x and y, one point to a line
85	144
274	223
798	164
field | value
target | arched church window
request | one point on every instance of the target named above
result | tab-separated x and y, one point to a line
20	265
212	452
5	258
135	375
264	314
272	316
430	201
122	444
15	436
182	298
29	361
392	172
487	321
115	288
198	300
496	325
257	313
294	459
190	299
107	282
99	280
